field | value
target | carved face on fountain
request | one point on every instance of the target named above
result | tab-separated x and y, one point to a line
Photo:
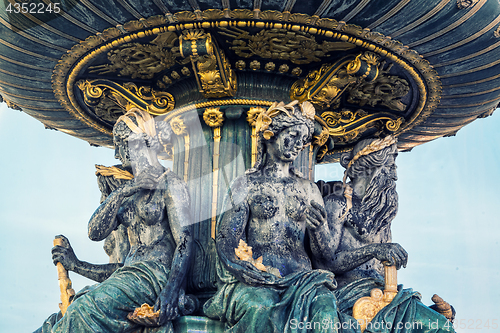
373	178
137	138
287	145
284	131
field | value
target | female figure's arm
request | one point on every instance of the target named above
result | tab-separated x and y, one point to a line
66	256
346	260
181	225
104	219
322	242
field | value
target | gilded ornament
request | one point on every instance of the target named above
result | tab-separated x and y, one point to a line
271	15
126	95
185	16
254	65
462	4
300	18
283	68
270	66
297	47
185	71
133	26
240	65
297	71
307	110
67	292
244	14
110	33
327	23
345	126
386	90
213	117
214	75
175	75
116	172
365	308
142	61
252	115
245	253
81	55
497	32
178	126
145	315
166	79
212	14
156	20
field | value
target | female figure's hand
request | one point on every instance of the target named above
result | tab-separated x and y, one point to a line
65	255
316	216
168	304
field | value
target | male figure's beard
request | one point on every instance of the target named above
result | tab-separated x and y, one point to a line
378	207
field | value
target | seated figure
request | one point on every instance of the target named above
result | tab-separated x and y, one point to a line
359	216
154	208
268	214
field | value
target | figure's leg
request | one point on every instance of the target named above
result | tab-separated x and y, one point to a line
105	308
250	309
323	313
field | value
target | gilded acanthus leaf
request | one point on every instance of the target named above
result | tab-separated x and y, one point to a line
244	252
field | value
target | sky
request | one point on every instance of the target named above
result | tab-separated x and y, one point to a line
447	221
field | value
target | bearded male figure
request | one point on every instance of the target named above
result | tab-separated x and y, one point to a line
360	212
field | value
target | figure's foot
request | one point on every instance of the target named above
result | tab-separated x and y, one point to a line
188	304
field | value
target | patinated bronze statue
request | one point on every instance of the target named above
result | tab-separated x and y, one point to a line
360	212
154	207
272	209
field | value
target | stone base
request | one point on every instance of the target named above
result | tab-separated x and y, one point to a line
197	324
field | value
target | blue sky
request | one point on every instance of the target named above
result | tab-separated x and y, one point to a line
447	221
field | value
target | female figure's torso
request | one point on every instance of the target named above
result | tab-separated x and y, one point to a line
145	216
277	222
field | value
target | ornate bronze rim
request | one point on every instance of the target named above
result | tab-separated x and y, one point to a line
66	71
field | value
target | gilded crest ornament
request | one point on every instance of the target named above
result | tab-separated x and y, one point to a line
213	72
296	47
136	60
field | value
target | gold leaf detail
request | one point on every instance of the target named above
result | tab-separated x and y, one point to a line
300	18
244	253
178	126
244	14
156	20
213	117
327	23
133	26
185	16
271	15
212	14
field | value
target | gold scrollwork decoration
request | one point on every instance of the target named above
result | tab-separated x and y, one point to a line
252	115
214	74
296	46
385	89
136	60
324	86
365	308
345	126
144	98
81	56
